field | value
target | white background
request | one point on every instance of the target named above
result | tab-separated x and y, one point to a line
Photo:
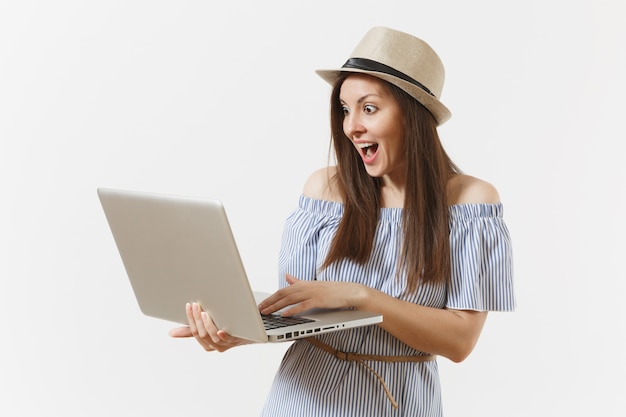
221	100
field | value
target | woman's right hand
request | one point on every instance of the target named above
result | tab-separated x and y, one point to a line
201	327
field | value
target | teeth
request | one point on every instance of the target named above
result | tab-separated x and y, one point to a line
365	145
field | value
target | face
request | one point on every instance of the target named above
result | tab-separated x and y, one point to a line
373	122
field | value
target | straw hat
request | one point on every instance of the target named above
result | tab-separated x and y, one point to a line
401	59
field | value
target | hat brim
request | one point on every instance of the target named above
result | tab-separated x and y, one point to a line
436	107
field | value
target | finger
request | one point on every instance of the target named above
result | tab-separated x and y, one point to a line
264	306
282	298
201	327
291	279
226	338
272	307
274	299
298	308
233	341
206	328
180	332
269	304
226	341
191	319
209	326
196	319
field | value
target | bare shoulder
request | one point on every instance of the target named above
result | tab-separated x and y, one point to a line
465	189
320	185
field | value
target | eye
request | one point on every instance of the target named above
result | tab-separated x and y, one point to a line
345	110
368	108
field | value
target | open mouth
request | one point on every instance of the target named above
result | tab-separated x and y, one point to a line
368	150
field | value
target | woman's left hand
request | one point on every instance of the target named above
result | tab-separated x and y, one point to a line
305	295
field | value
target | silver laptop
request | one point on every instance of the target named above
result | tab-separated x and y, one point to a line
179	249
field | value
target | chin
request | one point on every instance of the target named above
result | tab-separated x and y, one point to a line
372	172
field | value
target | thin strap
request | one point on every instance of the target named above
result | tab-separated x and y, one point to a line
359	358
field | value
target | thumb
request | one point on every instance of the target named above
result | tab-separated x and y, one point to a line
291	279
180	332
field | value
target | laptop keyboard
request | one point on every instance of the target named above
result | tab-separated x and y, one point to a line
275	321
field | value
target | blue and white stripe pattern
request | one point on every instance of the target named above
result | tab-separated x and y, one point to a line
310	382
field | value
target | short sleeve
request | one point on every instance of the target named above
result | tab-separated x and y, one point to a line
481	259
311	222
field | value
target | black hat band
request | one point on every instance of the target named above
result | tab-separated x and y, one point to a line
370	65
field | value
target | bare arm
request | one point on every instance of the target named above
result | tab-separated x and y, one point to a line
449	333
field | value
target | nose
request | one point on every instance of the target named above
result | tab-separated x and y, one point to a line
352	125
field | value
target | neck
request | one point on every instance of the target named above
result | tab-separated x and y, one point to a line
392	194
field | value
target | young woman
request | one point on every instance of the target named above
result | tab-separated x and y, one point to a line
394	228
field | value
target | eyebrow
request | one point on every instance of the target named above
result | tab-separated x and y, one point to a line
362	99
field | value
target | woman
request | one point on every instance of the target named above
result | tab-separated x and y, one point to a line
394	228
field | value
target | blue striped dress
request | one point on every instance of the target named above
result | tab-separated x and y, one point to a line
310	382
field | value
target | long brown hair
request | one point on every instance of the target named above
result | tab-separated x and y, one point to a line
425	253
